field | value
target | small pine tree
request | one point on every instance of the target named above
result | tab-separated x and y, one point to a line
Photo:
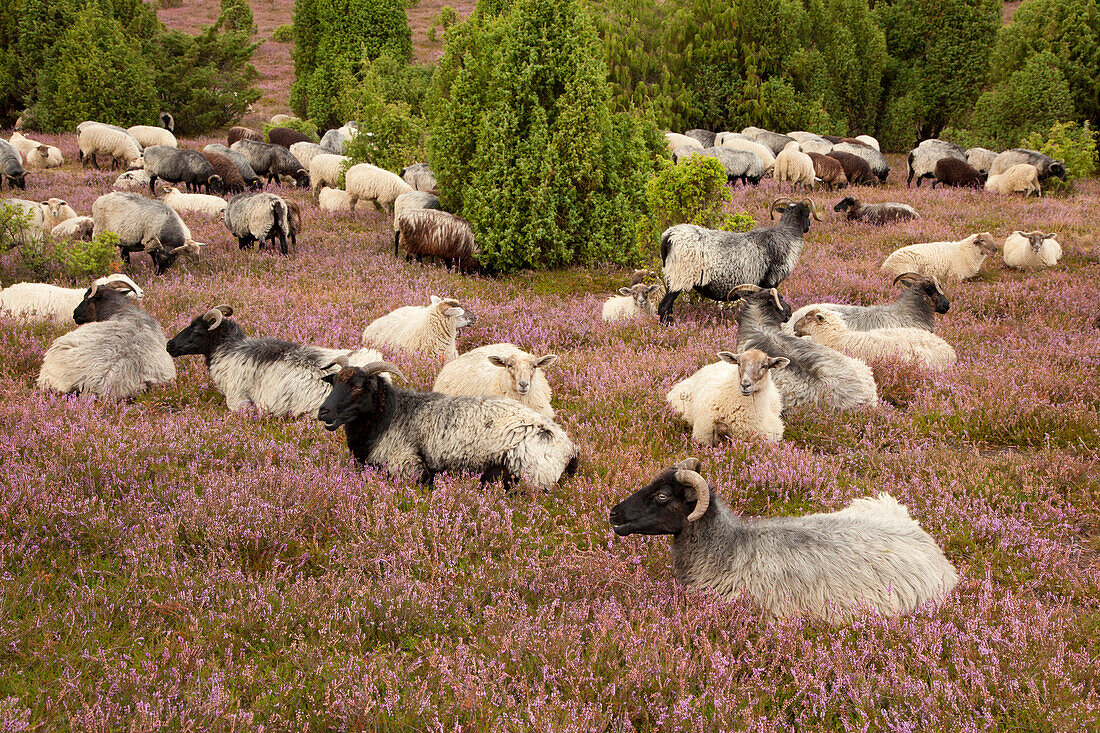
236	15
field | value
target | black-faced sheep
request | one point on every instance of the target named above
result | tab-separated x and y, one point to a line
886	213
11	167
1045	165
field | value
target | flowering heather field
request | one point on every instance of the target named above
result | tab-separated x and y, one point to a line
167	564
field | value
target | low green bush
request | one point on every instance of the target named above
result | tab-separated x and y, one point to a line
1068	141
283	34
303	126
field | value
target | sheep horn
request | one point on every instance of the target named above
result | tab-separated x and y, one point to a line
775	297
813	207
340	361
781	199
95	287
377	367
702	491
742	290
907	277
213	318
690	464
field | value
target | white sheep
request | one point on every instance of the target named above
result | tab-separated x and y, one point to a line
1031	250
499	370
794	166
868	140
811	143
944	260
80	227
371	183
675	141
42	302
197	202
430	329
981	158
45	156
324	171
44	216
736	141
133	180
24	145
827	327
281	119
732	397
420	177
1020	178
637	300
97	139
147	135
306	151
334	199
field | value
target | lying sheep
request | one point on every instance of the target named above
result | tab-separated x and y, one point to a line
676	140
1031	250
45	303
136	180
366	182
944	260
871	554
144	225
1020	178
419	434
1044	164
334	199
856	169
324	171
98	139
197	202
437	234
242	133
793	166
731	398
272	161
914	345
251	179
80	227
957	173
45	156
886	213
281	119
257	217
11	167
420	177
147	135
874	158
740	165
981	158
429	330
923	159
499	370
44	216
278	377
637	300
918	303
828	170
117	352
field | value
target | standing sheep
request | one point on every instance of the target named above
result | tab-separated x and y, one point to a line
242	133
740	165
1020	178
97	139
499	370
176	165
856	169
429	330
147	136
272	161
981	158
676	140
923	159
284	137
704	137
244	168
437	234
324	170
11	167
914	345
736	141
794	166
367	182
257	217
144	225
637	300
874	158
420	177
1045	165
1031	250
959	173
226	169
305	152
947	261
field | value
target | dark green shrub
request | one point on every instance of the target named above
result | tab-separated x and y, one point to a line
236	15
305	127
1068	141
43	258
14	226
283	34
1031	99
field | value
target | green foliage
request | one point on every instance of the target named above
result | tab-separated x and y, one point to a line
448	16
1029	100
523	143
14	226
283	34
693	192
305	127
1071	142
43	258
236	15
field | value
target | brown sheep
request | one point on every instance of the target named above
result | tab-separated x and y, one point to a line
227	169
955	172
857	169
241	133
286	137
829	170
431	233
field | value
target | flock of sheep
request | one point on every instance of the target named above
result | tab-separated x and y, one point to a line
489	409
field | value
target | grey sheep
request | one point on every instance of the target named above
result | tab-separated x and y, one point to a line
258	217
874	158
916	306
334	141
714	262
884	213
248	174
705	137
1046	165
871	554
272	161
981	158
775	141
740	165
178	165
420	177
11	167
144	225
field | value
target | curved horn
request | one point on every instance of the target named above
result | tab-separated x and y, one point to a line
813	207
377	367
907	277
213	318
227	310
702	491
742	290
690	464
95	287
781	199
775	297
340	361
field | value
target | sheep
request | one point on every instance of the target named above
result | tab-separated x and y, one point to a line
306	151
704	137
167	121
294	221
713	262
856	169
922	159
868	140
811	143
420	177
242	133
44	216
324	170
676	140
418	434
147	135
1020	178
226	169
1044	164
438	234
281	119
773	140
197	202
117	351
285	137
175	165
871	554
731	398
97	139
915	345
23	145
874	158
135	180
371	183
885	213
637	300
80	227
828	170
244	168
334	199
740	165
429	330
45	303
981	158
947	261
144	225
816	374
272	161
1031	250
739	142
500	370
11	167
959	173
92	123
794	166
279	377
916	306
45	156
335	140
257	217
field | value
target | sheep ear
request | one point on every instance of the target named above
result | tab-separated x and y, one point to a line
497	361
624	291
779	362
729	357
453	312
436	299
1052	235
545	361
652	288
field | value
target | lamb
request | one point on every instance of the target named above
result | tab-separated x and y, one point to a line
794	166
856	170
886	213
306	151
226	169
676	140
80	227
167	121
97	139
429	330
244	168
11	167
499	370
915	345
116	352
637	300
371	183
144	225
714	262
871	554
1044	164
1020	178
45	156
731	398
257	217
981	158
829	170
816	374
272	161
704	137
45	303
278	377
242	133
874	158
923	158
324	170
740	165
947	261
917	304
1031	250
438	234
420	177
175	165
135	180
197	202
959	173
418	434
147	136
334	199
739	142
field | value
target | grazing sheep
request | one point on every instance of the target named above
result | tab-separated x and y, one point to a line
731	398
80	227
272	161
811	143
886	213
45	156
793	166
117	352
958	173
42	302
196	202
306	151
917	304
294	221
135	180
740	142
285	137
1020	178
740	165
871	554
366	182
1031	250
278	377
147	135
816	374
418	434
703	137
335	140
244	168
176	165
829	170
948	261
11	167
914	345
167	121
874	158
430	233
981	158
1044	164
922	159
144	225
429	330
774	141
242	133
420	177
257	217
226	169
714	262
97	139
334	199
868	140
324	170
856	169
637	300
676	140
499	370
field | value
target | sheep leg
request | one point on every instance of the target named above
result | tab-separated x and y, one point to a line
666	305
282	244
396	241
152	183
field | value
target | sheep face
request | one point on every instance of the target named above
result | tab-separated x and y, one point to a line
754	367
355	393
845	203
819	320
984	242
768	298
301	178
641	294
522	370
164	258
451	308
102	302
665	505
927	286
204	333
799	213
1036	239
1058	168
